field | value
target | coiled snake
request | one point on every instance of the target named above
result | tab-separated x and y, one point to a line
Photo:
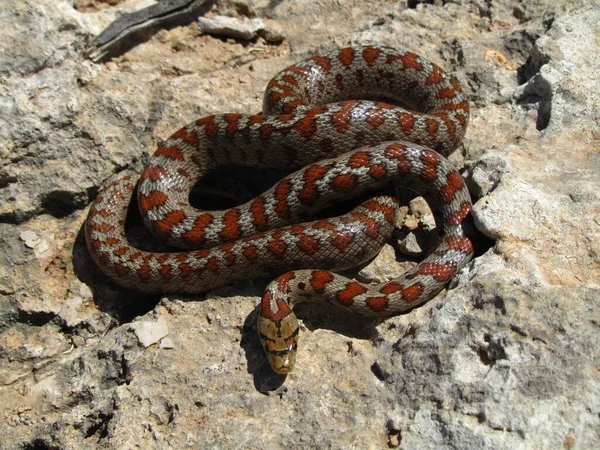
315	121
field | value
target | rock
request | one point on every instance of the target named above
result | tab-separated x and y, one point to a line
505	357
420	209
35	242
30	238
150	333
484	172
384	267
410	246
245	29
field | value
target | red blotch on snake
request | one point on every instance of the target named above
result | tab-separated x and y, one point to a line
353	289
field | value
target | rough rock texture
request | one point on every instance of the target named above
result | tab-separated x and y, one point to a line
507	357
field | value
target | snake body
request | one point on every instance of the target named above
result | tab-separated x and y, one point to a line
339	146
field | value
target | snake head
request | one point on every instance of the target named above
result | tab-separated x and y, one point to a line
280	342
278	330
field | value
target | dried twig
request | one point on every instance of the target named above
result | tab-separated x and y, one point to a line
130	29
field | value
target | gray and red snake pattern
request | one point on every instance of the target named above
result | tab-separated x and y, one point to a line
334	120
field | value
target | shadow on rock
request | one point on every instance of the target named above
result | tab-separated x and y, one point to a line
121	304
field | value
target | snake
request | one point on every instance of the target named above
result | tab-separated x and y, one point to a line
354	122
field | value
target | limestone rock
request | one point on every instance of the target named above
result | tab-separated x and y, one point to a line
506	357
239	29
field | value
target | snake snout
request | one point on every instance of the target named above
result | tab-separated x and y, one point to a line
280	349
283	362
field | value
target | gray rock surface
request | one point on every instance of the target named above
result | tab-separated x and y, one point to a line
507	357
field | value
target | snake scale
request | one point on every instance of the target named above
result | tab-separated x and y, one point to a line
325	118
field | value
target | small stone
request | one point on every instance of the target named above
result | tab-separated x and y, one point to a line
231	27
483	173
419	207
167	343
41	248
77	341
30	238
70	311
149	333
411	222
410	246
273	33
